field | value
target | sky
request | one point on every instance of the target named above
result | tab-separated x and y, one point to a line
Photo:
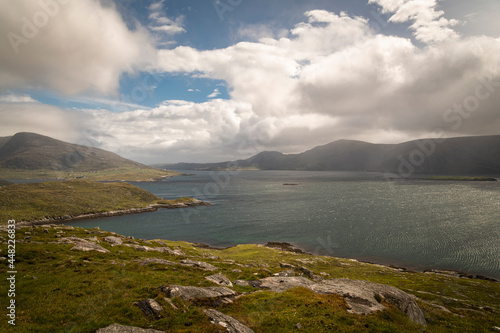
205	81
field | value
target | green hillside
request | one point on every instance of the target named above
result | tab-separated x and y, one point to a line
63	288
27	202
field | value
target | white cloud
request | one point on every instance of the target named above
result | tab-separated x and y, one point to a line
331	77
428	23
342	80
255	32
214	94
16	98
42	119
161	23
70	47
174	130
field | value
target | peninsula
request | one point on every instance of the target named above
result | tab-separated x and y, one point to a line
62	201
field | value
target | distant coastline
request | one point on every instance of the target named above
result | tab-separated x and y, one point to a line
150	208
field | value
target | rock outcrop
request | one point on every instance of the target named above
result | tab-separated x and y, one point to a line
82	244
113	240
198	264
117	328
150	308
280	284
285	247
163	249
287	273
363	297
148	261
219	279
207	295
229	323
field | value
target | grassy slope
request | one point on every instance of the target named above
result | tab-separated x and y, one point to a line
89	290
117	174
27	202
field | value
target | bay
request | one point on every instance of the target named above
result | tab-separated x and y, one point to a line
419	224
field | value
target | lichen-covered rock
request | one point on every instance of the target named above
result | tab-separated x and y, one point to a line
288	272
117	328
82	244
150	307
148	261
361	296
89	247
199	264
113	240
209	295
163	249
280	284
219	279
229	323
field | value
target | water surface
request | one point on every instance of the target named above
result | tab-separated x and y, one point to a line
418	224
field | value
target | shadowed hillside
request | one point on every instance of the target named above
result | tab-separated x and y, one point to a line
465	155
33	151
30	155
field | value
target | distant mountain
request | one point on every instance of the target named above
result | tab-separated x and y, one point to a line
30	151
464	155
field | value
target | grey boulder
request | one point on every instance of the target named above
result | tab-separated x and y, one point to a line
199	264
150	307
219	279
117	328
113	240
207	295
363	297
229	323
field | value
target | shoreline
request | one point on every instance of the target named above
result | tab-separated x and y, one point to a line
90	216
284	246
289	247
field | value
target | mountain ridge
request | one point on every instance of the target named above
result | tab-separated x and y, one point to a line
460	155
33	151
33	156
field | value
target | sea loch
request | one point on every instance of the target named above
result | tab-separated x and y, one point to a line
419	224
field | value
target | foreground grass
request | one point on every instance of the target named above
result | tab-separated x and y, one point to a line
118	174
28	202
59	290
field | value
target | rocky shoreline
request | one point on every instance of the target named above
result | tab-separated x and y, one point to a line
284	246
149	208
